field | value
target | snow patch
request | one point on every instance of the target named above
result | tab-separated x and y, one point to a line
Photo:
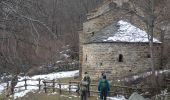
60	61
119	97
129	33
2	87
145	74
22	92
66	55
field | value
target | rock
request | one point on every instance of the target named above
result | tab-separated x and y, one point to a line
168	90
167	96
158	97
136	96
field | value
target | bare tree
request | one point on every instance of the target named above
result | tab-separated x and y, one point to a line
152	13
32	32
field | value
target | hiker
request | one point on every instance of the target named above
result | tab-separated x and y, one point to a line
83	89
89	81
103	87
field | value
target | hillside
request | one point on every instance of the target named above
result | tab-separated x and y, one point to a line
124	39
33	33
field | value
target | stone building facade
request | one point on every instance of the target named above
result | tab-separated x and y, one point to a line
116	58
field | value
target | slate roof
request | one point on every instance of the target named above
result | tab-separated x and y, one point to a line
121	31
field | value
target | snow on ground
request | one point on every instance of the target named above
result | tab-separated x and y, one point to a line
129	33
56	75
145	74
119	97
47	77
20	92
2	87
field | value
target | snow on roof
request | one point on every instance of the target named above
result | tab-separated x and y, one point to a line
122	31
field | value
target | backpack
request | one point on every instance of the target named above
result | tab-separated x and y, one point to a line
103	85
88	80
83	85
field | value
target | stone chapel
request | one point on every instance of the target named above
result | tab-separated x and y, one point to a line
114	44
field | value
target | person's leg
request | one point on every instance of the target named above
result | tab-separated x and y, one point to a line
12	89
82	95
88	90
101	95
105	95
85	95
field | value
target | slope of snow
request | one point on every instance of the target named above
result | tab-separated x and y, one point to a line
129	33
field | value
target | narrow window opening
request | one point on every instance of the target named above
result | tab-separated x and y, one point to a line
148	56
101	64
92	34
86	58
120	58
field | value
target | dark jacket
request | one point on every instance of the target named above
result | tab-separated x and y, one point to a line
103	85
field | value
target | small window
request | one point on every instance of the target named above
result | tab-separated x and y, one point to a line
86	58
101	64
92	33
120	58
148	56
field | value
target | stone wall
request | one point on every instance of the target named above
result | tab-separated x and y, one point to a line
95	25
113	15
98	57
106	6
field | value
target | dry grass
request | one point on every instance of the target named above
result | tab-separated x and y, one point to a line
51	96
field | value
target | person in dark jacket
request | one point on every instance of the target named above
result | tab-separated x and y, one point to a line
83	89
89	81
103	88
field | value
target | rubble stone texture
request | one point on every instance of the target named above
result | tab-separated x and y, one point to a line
96	57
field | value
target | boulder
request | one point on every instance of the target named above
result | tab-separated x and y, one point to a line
167	96
136	96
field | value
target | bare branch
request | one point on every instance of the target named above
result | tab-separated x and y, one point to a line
29	18
37	40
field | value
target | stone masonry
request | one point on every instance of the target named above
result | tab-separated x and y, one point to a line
99	57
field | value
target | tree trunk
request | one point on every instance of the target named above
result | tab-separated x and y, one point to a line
150	31
153	78
162	47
